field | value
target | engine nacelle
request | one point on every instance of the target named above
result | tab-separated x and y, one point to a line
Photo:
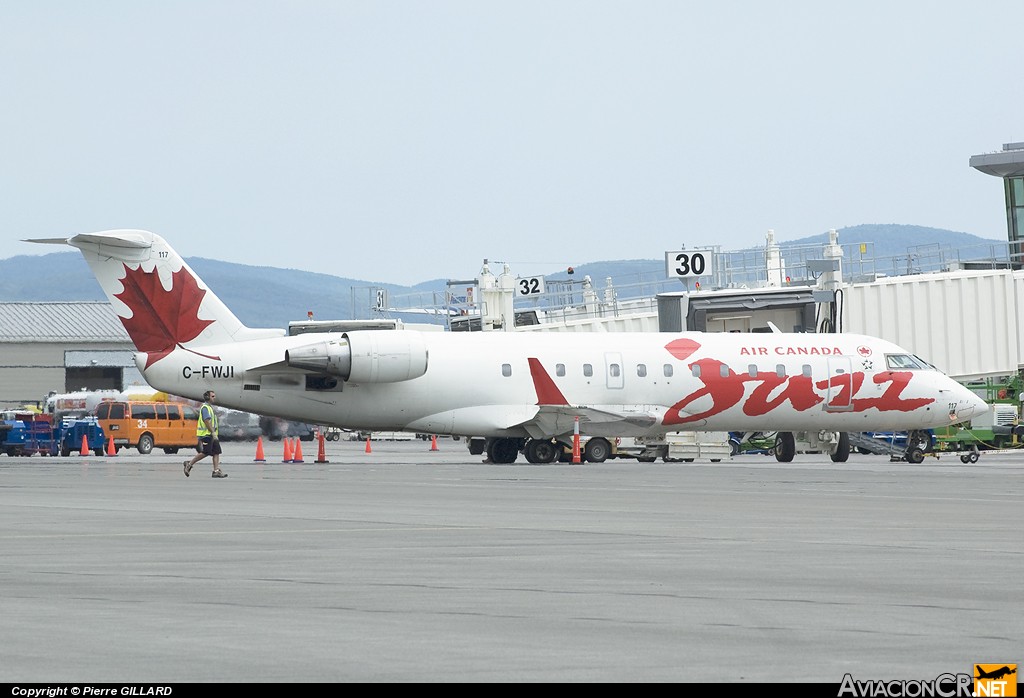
371	356
333	358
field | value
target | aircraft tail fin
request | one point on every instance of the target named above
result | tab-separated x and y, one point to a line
160	300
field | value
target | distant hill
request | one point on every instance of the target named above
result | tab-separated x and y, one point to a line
273	297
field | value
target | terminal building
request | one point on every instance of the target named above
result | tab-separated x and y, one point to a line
1009	165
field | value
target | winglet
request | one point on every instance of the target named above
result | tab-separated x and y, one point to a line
547	392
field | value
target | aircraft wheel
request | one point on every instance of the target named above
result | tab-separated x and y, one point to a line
974	456
966	458
785	447
503	451
915	455
597	450
541	451
842	452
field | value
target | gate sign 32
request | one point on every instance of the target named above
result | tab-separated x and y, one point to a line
530	286
689	263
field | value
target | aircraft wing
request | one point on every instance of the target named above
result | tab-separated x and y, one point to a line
594	421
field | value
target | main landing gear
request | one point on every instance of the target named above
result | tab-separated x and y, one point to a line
837	444
504	451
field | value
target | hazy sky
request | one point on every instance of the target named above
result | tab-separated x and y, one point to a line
408	140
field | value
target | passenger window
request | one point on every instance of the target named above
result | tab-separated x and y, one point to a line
117	411
780	370
806	370
695	370
641	370
102	411
143	412
506	370
190	414
173	412
614	370
559	369
588	370
668	370
160	411
752	371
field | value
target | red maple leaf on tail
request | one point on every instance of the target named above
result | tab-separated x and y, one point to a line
161	320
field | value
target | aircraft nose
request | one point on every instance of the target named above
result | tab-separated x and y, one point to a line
969	406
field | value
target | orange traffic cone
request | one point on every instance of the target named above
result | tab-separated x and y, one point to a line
321	456
287	451
576	459
368	450
433	443
260	458
111	449
85	446
297	456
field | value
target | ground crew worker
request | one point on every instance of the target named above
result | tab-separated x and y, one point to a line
208	441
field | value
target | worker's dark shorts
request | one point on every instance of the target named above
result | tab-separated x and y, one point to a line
209	446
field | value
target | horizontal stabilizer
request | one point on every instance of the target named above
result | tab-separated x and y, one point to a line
48	241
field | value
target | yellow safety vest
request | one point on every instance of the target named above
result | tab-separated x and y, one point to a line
206	411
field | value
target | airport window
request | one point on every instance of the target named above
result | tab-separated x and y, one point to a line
752	370
780	370
806	370
614	370
559	369
506	370
667	368
588	370
641	370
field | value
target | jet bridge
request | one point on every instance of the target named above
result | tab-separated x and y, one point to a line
738	310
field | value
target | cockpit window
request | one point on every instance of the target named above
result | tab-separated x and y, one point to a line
904	362
926	363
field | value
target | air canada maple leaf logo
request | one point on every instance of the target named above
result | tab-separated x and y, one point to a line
161	319
682	348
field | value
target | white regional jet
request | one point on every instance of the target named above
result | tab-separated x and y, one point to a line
525	392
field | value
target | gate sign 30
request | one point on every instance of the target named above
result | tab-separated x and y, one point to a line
689	263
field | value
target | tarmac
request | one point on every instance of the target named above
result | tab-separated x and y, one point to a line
407	564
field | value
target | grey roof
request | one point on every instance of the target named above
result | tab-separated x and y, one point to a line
1008	163
60	322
